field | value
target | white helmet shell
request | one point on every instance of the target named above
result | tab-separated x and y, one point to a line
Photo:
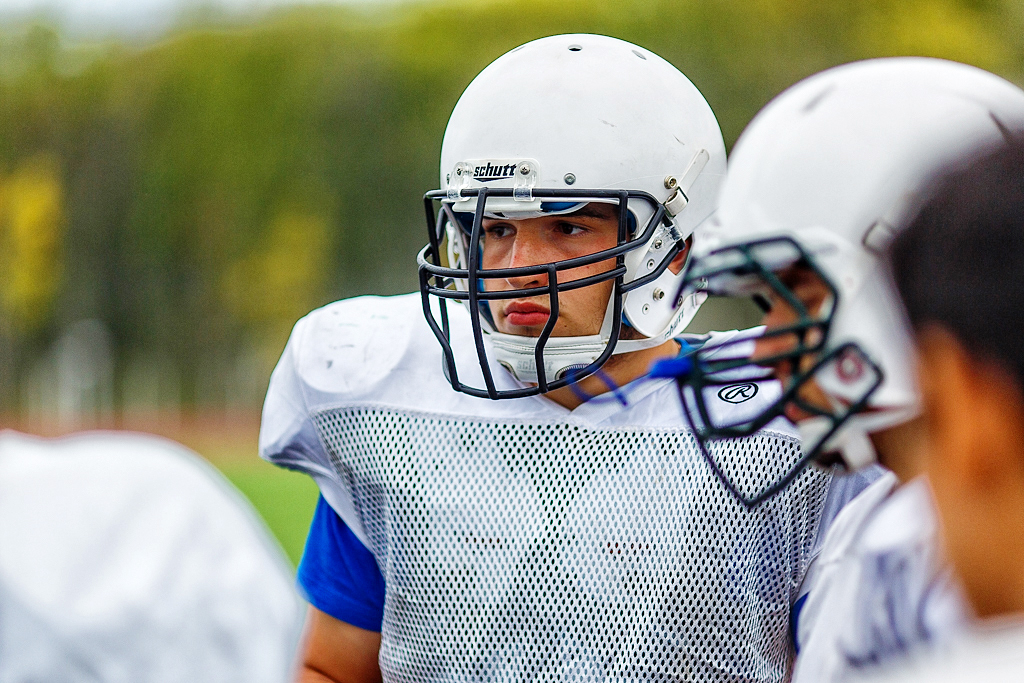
591	112
838	163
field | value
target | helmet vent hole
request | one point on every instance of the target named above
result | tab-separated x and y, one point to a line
575	48
816	100
640	55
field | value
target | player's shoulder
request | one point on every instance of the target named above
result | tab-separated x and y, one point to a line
993	653
902	519
358	320
127	451
362	346
848	525
356	331
120	463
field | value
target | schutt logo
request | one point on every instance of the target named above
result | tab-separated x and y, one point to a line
491	171
738	393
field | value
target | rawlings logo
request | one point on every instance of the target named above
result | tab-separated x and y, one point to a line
850	367
738	393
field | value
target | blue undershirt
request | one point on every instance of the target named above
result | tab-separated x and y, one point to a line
337	573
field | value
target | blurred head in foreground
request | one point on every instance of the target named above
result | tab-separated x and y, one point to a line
960	270
127	558
818	186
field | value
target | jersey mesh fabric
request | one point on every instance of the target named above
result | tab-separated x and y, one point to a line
520	550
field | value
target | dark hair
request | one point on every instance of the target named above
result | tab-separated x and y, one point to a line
960	263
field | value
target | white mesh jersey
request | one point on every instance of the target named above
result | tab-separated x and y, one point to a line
879	590
522	541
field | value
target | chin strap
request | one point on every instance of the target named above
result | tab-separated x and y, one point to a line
852	441
853	446
567	354
561	354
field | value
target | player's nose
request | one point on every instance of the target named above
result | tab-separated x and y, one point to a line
527	251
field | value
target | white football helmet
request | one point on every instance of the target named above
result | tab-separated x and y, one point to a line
823	177
548	127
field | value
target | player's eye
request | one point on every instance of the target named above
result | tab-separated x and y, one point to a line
498	230
570	229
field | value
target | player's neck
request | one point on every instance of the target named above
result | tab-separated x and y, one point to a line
620	369
899	449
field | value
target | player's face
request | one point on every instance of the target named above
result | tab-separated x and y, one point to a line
973	418
813	294
546	239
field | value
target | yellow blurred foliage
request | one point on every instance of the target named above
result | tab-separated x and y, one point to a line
31	222
935	28
283	278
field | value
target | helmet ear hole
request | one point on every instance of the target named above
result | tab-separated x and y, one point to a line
631	223
464	220
454	243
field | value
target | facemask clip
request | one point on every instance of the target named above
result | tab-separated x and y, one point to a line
524	181
459	180
678	200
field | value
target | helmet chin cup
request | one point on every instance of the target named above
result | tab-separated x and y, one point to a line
561	354
851	447
822	431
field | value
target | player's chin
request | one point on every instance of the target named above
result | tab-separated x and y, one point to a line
561	330
504	326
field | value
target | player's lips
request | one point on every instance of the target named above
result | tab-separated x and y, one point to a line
526	314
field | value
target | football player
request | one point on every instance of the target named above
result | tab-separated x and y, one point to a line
126	559
480	518
819	184
958	268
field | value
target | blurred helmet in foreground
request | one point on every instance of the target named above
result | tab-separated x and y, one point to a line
819	183
125	558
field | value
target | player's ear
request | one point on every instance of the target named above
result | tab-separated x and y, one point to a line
944	389
679	260
976	445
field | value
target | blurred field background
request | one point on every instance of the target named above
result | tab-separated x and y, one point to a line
173	199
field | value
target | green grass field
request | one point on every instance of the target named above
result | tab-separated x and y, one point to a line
284	499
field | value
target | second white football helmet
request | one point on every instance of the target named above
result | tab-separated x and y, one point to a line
823	177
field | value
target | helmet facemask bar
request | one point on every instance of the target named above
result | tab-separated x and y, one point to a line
752	269
442	281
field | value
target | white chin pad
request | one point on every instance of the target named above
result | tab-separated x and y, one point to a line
853	445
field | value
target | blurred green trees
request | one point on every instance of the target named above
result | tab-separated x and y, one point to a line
198	195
